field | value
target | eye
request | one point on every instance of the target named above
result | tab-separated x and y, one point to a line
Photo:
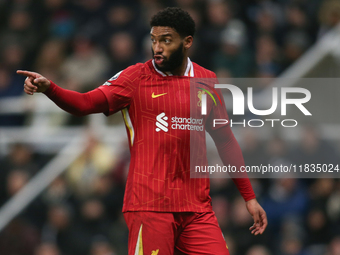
153	40
167	40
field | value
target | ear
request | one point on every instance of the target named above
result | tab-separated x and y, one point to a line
188	42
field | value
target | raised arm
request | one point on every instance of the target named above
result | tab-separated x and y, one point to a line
76	103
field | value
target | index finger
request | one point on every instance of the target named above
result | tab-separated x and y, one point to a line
28	73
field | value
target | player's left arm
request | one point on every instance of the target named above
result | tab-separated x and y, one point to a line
231	154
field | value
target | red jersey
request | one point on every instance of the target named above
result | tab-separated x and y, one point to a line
154	105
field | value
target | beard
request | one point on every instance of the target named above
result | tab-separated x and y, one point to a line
174	61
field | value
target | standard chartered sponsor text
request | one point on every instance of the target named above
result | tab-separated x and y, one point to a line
187	123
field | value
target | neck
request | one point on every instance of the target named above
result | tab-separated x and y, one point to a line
181	69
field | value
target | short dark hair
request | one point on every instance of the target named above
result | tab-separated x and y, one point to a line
175	18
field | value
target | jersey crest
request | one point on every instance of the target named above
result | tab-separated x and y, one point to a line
115	77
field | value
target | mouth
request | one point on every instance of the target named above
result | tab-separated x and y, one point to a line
158	59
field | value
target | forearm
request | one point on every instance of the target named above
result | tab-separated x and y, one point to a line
79	104
231	154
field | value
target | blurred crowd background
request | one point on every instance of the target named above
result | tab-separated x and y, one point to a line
81	43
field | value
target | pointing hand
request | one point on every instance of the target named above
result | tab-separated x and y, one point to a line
34	82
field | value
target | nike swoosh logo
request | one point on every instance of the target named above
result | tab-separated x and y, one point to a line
159	95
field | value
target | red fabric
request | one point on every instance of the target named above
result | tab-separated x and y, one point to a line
79	104
159	177
229	149
175	233
159	173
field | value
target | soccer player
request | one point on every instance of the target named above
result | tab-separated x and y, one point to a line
166	211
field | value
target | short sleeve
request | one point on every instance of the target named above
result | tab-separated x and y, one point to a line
120	88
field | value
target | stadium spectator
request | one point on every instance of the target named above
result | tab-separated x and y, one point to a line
47	249
334	246
92	222
20	164
318	227
329	16
286	198
20	30
291	246
16	180
101	246
267	58
277	153
122	51
35	212
58	19
87	64
19	237
121	18
51	57
313	149
111	193
95	161
218	14
252	148
295	44
59	228
10	87
258	250
59	192
333	208
234	55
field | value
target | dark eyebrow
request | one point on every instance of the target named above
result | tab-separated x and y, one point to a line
164	35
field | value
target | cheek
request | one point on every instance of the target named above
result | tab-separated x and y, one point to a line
170	49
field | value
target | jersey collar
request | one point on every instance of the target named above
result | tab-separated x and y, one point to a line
189	71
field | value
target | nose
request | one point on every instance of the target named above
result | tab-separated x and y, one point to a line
157	48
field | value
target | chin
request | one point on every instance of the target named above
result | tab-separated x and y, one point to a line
162	68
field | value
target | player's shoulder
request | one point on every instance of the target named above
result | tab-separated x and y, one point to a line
140	68
132	73
201	72
133	69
